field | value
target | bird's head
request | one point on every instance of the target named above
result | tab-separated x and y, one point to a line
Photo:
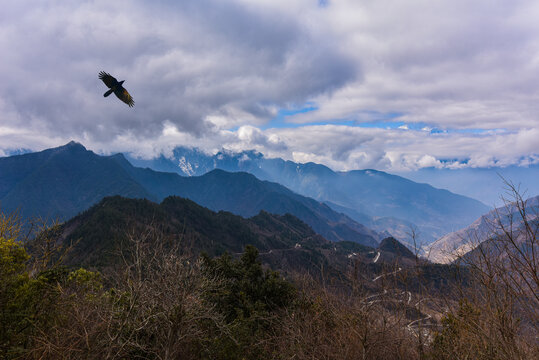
121	82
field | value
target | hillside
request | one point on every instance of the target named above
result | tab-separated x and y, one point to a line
61	182
100	232
285	243
243	194
377	199
108	229
64	181
133	266
460	242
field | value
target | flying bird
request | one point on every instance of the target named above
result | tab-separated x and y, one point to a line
116	87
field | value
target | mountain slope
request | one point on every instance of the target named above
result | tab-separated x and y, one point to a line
285	243
104	233
103	228
393	246
243	194
63	181
460	242
390	201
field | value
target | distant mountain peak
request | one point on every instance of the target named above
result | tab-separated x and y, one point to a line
120	158
70	147
73	144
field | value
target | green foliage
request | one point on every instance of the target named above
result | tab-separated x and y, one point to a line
249	289
13	281
249	300
29	302
461	335
12	259
25	301
85	280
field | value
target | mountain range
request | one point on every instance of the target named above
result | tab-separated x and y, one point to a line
105	234
100	233
65	181
379	200
62	182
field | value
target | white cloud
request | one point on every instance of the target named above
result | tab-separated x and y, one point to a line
212	74
347	148
186	63
452	64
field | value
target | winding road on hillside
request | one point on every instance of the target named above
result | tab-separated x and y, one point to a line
387	274
414	326
396	296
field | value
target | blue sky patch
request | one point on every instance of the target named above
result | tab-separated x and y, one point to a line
366	119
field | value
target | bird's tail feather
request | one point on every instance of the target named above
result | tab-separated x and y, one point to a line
108	93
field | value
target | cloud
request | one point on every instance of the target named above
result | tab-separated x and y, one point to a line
214	74
451	64
346	148
183	63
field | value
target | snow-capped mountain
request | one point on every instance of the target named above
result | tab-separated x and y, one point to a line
377	199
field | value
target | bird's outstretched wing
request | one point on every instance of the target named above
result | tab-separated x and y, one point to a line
108	79
123	95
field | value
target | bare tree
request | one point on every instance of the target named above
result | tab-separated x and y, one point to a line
498	317
155	308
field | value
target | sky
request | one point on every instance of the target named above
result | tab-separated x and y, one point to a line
352	84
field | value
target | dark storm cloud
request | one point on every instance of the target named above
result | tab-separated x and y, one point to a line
182	62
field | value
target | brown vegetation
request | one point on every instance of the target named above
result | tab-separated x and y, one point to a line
161	303
498	316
